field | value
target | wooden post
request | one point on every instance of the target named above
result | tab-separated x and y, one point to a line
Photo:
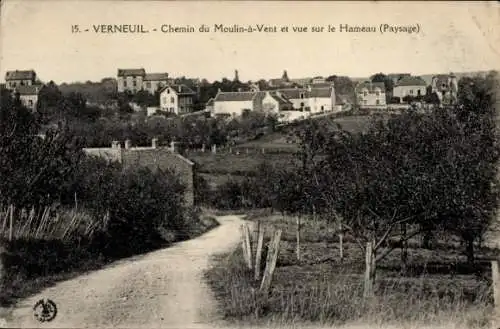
495	276
245	245
11	220
249	246
258	252
368	282
298	238
272	257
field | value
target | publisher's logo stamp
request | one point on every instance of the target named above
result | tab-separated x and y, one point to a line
45	310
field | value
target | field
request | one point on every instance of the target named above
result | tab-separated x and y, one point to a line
437	288
242	160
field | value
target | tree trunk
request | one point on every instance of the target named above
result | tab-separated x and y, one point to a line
404	249
470	250
370	267
341	242
298	238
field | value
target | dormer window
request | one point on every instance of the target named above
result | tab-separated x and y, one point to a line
301	95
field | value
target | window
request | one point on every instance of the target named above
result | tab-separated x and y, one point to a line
377	102
171	109
13	84
168	91
134	83
419	93
302	104
365	102
322	108
302	96
172	100
30	102
377	93
148	84
365	93
411	91
124	83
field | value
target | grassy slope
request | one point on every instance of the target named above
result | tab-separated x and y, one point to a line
321	289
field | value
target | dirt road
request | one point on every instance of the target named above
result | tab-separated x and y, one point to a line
161	289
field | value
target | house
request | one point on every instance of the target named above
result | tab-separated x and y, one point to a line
130	80
154	82
301	81
275	101
371	94
154	157
318	80
178	99
236	103
28	94
17	78
315	99
409	86
445	86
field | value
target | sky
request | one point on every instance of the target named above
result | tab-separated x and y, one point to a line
452	37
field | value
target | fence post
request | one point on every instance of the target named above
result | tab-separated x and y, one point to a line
495	277
272	257
245	245
258	252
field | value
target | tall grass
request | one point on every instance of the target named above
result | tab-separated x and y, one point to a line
339	300
47	223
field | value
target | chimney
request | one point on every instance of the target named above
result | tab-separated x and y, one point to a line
128	144
180	88
154	143
115	144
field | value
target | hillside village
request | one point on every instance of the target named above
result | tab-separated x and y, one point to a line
289	99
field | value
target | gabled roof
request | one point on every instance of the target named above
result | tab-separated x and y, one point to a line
293	93
28	90
280	98
320	92
179	89
129	72
239	96
371	86
156	77
411	81
20	75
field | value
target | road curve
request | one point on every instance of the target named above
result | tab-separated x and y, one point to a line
162	289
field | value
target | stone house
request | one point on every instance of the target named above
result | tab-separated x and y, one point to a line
275	102
17	78
313	98
445	86
178	99
154	82
235	103
131	80
154	157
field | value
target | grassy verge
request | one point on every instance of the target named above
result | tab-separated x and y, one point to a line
31	264
319	289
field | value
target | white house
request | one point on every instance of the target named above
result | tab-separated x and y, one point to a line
235	103
275	101
371	94
410	86
178	99
28	94
130	80
313	99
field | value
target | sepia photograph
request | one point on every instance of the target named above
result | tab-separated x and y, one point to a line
249	164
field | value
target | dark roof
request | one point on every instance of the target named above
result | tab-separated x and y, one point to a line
370	86
293	93
179	89
411	81
320	92
28	90
156	77
129	72
282	100
235	96
20	75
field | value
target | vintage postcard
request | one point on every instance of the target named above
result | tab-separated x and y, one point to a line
249	164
